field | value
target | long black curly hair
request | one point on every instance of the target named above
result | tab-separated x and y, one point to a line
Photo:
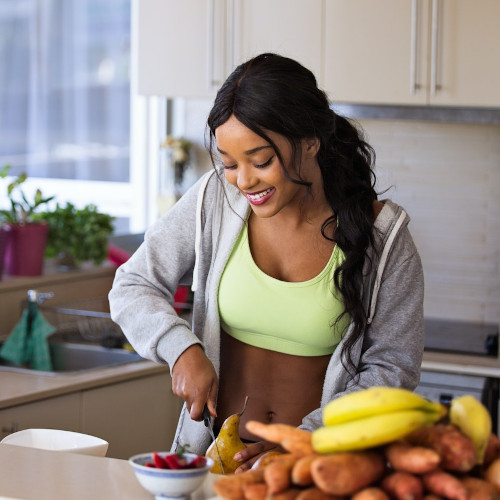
275	93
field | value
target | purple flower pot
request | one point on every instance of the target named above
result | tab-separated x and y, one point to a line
26	249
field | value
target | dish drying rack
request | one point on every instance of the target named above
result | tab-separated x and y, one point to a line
86	320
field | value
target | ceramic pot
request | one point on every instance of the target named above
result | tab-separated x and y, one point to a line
26	249
4	240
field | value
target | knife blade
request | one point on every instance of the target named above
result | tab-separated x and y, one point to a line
208	423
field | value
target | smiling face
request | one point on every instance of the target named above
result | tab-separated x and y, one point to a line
252	165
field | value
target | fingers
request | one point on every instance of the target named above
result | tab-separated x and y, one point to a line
251	454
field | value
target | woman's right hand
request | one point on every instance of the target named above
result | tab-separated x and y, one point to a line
195	381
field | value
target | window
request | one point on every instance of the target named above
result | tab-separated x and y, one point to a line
65	100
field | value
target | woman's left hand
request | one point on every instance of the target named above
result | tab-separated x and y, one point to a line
252	453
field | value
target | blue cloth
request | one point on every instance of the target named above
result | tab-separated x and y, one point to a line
27	343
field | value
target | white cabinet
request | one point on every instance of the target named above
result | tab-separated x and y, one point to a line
291	28
437	52
182	47
62	412
134	417
188	48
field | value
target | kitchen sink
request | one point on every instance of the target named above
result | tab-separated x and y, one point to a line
73	358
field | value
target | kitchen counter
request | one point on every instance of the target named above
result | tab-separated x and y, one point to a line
32	474
19	388
463	364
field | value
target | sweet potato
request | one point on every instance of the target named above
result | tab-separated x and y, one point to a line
277	474
347	472
232	486
445	485
478	489
431	496
301	471
370	493
408	458
290	494
492	450
255	491
402	485
297	446
267	458
314	493
277	433
456	450
492	474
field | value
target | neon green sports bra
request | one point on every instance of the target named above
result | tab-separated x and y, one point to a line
292	318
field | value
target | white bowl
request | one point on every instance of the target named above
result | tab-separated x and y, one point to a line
58	440
169	483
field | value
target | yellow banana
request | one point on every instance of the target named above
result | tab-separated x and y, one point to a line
370	431
376	401
474	420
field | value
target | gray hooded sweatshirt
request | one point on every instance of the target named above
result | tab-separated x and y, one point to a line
191	244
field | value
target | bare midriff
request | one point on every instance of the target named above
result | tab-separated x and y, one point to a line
281	388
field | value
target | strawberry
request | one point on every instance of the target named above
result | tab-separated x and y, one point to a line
159	461
175	461
198	461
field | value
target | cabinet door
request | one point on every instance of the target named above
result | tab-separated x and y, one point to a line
376	52
288	27
466	53
134	417
62	412
181	48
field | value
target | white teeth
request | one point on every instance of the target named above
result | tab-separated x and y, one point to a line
259	195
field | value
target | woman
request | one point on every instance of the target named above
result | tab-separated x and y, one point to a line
306	286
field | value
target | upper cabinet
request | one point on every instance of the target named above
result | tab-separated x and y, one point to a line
181	47
437	52
188	48
291	28
419	52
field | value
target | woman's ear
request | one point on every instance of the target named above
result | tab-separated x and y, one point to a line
311	146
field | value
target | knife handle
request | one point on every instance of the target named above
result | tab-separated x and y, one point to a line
206	415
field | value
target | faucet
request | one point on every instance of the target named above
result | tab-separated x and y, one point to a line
35	297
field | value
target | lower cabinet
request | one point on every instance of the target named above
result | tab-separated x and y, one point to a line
134	416
62	412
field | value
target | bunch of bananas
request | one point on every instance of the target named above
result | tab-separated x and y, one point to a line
373	417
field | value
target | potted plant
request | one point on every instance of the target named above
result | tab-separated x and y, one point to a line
77	235
27	237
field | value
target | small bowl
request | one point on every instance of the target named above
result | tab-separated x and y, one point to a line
168	483
58	440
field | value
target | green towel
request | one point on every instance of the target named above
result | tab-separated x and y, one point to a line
32	347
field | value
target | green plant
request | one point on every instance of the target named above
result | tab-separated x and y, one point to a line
22	210
79	233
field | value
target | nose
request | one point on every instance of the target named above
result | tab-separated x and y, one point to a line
246	178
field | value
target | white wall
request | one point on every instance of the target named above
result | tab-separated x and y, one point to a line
447	177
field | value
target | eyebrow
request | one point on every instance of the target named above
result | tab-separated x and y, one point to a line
248	152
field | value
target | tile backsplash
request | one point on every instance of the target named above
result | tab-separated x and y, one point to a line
447	177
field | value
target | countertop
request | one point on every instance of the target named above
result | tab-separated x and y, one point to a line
32	474
18	388
463	364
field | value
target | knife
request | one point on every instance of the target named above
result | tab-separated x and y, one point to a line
207	420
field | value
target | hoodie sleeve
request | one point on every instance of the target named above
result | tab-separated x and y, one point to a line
393	344
142	294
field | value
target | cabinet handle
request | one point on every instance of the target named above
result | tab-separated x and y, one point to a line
434	45
414	44
212	80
